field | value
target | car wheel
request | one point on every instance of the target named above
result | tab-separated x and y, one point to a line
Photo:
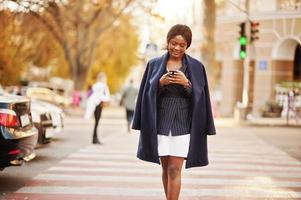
42	131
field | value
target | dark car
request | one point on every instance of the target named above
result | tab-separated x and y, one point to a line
18	136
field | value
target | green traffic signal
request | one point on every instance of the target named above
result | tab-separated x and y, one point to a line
243	40
243	54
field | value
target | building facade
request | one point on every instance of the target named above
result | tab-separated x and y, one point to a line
274	58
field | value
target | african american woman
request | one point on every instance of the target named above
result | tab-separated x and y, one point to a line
173	111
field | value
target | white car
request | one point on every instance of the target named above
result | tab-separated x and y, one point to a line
42	120
48	95
57	116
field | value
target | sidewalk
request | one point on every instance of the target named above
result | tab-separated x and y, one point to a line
107	112
261	121
119	112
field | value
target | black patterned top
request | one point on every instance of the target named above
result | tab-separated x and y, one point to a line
174	108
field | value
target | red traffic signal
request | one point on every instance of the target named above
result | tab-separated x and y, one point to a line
254	30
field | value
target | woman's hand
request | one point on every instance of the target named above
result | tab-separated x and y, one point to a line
165	79
179	78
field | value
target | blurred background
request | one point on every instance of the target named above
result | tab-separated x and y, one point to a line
65	44
51	52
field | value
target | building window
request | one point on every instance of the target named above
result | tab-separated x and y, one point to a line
289	4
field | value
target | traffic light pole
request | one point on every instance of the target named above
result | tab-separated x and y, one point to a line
245	92
248	29
246	61
241	110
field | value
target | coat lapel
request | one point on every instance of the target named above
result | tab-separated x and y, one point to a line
196	78
158	72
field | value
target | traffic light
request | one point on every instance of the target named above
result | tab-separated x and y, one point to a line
254	31
243	41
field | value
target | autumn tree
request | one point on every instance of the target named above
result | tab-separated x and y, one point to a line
25	42
117	53
10	62
77	26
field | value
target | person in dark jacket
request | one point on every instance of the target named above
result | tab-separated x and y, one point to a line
173	111
128	100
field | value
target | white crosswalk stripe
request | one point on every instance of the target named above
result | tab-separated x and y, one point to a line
157	192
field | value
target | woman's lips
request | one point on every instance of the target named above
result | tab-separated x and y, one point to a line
176	53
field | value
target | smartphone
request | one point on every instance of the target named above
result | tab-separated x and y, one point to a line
172	72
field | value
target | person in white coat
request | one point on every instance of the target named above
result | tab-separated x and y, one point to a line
95	102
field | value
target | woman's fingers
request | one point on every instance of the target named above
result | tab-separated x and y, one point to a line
180	75
178	78
175	80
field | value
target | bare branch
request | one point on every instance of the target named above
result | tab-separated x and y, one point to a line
49	26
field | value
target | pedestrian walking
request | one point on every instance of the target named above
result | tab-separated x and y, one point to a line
95	102
128	100
173	111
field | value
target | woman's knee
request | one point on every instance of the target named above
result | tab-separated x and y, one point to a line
173	171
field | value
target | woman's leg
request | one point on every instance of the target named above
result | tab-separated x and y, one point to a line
174	177
164	164
128	119
97	114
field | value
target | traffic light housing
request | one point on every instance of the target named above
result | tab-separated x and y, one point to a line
254	31
243	41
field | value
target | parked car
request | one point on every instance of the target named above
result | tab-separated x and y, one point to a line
42	120
47	117
18	136
48	95
57	116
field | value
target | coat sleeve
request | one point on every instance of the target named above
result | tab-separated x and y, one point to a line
137	114
210	122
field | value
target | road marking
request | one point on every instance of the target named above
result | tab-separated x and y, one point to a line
241	167
233	192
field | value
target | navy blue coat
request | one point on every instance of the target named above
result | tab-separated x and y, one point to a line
145	117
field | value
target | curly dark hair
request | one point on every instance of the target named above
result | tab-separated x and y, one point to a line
180	29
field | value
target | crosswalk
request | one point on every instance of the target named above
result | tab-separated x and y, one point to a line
241	167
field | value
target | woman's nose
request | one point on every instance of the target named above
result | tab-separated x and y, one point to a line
177	47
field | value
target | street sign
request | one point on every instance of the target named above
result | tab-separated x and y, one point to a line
263	65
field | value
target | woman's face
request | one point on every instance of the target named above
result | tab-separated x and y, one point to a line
177	46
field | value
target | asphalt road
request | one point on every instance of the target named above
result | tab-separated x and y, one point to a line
78	132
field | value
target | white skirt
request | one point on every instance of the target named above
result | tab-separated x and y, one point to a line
177	146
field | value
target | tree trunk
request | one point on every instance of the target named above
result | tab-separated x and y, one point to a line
208	44
77	26
79	77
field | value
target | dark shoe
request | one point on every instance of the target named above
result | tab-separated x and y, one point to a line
96	141
99	143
